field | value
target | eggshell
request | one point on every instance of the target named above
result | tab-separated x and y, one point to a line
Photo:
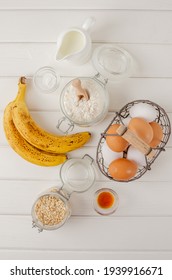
109	155
142	129
115	143
157	134
122	169
136	155
143	110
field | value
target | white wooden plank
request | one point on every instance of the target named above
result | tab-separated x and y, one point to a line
85	233
160	169
150	60
112	25
157	90
142	223
138	199
35	99
89	4
49	120
18	168
6	254
24	59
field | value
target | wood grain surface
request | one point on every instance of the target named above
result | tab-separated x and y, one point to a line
141	228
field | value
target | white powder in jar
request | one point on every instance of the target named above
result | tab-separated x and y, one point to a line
84	111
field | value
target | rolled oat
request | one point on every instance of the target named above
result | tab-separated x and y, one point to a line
50	210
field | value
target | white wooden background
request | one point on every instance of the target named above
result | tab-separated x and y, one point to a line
142	226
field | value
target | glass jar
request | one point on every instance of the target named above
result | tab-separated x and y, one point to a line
52	208
112	63
105	201
85	112
46	79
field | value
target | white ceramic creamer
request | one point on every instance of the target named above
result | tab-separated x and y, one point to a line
74	44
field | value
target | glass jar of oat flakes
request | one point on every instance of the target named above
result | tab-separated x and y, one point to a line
52	208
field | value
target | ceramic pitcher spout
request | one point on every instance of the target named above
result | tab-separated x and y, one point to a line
70	44
60	53
60	56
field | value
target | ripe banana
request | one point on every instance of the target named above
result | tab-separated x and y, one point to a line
38	137
23	148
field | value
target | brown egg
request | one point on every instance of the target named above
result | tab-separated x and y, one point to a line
157	134
122	169
115	143
142	129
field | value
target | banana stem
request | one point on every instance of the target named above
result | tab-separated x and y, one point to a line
22	80
21	89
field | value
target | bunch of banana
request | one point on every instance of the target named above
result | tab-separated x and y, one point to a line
32	142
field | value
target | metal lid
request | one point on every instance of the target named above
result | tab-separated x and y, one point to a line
77	175
112	62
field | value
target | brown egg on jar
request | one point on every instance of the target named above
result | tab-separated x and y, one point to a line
116	143
157	134
122	169
142	129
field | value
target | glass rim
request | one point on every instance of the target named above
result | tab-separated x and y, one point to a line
105	211
100	117
40	71
38	223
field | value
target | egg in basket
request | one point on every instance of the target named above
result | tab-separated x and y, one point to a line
133	140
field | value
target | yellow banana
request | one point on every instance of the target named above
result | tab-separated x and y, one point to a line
38	137
23	148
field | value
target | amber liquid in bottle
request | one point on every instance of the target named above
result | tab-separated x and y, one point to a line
105	200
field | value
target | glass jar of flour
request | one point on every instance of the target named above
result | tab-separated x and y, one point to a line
84	101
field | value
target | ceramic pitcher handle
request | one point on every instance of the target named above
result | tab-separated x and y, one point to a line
88	23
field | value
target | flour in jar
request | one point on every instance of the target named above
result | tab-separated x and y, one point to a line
84	111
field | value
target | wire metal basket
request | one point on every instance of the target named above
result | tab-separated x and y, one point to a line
120	117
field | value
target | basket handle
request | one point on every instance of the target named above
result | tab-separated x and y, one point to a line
135	141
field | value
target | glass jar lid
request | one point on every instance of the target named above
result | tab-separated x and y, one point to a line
112	62
77	175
